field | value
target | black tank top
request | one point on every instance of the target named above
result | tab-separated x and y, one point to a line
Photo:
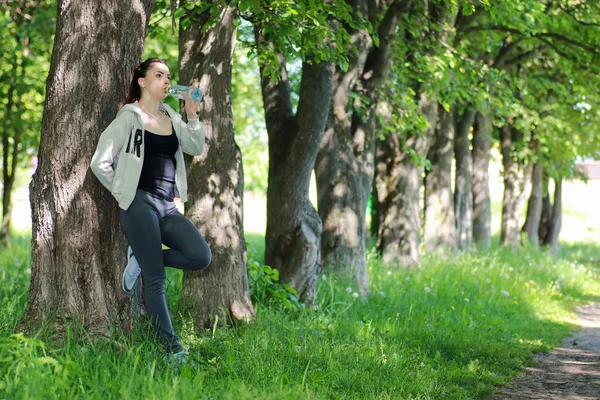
158	171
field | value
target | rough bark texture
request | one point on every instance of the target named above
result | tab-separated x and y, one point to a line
516	179
12	127
551	219
293	237
344	166
482	205
399	183
8	173
216	179
556	224
546	217
534	205
342	174
463	192
439	229
78	250
399	179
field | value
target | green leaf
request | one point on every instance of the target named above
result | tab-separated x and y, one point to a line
180	12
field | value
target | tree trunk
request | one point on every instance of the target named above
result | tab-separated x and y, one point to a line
463	192
556	224
546	217
344	179
482	207
344	167
534	205
216	179
78	251
11	123
6	209
399	189
343	171
515	183
293	237
399	182
439	229
375	206
8	173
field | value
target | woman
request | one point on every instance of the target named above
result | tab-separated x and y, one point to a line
139	158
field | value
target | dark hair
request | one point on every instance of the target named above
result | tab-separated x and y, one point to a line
135	92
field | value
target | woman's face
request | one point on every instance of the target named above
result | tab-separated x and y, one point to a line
156	81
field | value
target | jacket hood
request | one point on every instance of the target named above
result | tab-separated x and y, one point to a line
131	107
136	109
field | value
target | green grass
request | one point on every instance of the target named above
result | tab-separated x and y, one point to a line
452	329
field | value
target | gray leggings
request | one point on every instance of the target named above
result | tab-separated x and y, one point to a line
149	222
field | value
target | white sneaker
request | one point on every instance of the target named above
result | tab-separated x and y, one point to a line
181	357
131	273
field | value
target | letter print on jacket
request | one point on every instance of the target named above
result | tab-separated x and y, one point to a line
137	143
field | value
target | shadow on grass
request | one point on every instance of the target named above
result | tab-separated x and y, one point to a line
584	252
402	341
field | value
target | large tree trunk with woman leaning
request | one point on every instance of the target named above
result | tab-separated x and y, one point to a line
482	204
78	251
463	192
440	231
216	179
293	237
344	167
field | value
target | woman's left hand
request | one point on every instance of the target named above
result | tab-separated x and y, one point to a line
191	108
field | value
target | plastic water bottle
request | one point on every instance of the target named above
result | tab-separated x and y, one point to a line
178	90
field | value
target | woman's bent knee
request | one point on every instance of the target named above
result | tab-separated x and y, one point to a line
200	260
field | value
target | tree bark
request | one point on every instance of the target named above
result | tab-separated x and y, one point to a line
399	183
515	183
78	250
482	207
556	224
546	217
12	123
344	167
463	192
375	205
399	190
8	173
293	237
439	229
534	205
216	179
342	172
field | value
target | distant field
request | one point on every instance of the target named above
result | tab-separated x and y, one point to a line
581	210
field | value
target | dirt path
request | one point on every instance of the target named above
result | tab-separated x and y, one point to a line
570	372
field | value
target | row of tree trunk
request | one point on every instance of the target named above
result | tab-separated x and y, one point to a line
77	245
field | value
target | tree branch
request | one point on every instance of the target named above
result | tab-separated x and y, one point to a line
376	64
563	38
505	52
584	23
523	57
560	52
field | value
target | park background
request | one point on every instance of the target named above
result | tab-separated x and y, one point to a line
455	325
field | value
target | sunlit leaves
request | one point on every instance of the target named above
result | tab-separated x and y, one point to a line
27	30
314	31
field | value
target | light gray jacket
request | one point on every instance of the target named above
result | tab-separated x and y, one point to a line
119	156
